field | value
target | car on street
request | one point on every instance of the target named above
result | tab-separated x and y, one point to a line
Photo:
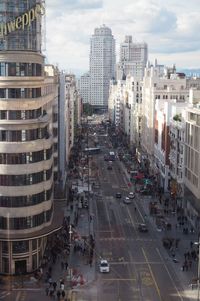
127	200
85	204
131	195
109	167
104	266
106	158
118	195
142	228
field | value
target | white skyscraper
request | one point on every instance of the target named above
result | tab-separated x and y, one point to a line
133	59
102	65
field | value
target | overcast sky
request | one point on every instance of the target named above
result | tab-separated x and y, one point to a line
170	27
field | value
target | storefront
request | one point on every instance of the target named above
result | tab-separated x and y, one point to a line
192	208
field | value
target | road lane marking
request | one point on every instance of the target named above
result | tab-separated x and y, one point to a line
20	296
145	276
152	275
136	262
112	238
105	231
4	294
141	215
118	279
133	271
169	274
27	289
131	219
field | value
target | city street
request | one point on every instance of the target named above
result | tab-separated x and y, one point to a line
140	269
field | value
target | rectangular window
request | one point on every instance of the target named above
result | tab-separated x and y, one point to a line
3	115
2	93
5	265
38	70
23	69
2	69
3	135
14	93
11	69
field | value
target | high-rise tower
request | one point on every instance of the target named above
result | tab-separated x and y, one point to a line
102	65
27	96
133	59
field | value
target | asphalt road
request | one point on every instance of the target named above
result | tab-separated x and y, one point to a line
137	260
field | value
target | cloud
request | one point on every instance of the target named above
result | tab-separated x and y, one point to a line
169	27
61	6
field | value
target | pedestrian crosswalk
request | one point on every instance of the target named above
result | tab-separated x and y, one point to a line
126	238
4	294
112	238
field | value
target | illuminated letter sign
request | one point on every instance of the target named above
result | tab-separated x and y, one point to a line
22	21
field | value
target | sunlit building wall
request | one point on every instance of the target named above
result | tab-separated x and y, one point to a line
28	94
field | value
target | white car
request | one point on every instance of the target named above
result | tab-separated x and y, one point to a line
104	266
127	200
131	195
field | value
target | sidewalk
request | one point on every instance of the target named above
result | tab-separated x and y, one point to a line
79	272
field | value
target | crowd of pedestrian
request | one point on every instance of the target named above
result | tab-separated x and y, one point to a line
190	257
55	289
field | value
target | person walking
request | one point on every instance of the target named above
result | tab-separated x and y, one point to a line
51	292
62	286
50	281
58	294
54	285
63	294
47	290
62	265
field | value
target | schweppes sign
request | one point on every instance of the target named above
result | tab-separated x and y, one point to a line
25	20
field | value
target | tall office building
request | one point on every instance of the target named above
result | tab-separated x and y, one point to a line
27	97
133	59
84	87
102	65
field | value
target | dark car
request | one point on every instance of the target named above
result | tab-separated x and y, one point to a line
142	228
85	204
118	195
109	167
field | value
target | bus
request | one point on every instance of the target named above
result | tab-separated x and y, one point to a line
92	150
111	156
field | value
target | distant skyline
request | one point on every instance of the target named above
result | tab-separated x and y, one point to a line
170	28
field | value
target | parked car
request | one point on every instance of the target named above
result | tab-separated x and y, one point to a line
131	195
85	204
127	200
142	228
118	195
104	266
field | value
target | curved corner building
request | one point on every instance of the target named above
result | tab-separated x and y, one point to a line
27	214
